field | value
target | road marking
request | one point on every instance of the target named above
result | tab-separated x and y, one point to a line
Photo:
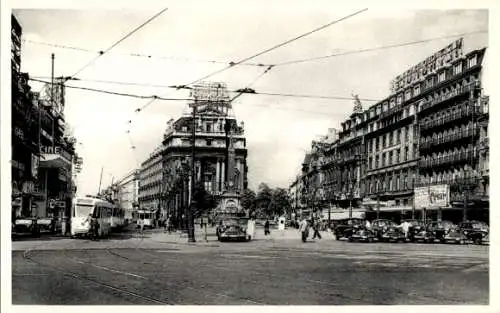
110	270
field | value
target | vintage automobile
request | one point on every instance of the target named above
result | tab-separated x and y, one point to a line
393	234
474	231
26	226
416	226
380	226
455	235
346	227
436	230
362	234
232	229
46	225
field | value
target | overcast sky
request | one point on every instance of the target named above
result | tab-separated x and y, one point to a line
278	129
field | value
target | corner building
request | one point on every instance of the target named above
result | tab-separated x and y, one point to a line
426	133
215	128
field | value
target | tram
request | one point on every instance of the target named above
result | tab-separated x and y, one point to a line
144	216
86	208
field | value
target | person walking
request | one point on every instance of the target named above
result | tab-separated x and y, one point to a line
167	224
304	229
251	229
406	228
266	228
316	226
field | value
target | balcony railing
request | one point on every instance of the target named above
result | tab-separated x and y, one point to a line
446	159
456	92
427	142
464	112
471	180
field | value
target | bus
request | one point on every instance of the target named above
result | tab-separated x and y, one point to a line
85	208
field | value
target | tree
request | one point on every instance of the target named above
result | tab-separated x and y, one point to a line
248	200
280	201
264	198
205	202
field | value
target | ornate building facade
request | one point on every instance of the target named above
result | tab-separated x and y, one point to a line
431	130
214	127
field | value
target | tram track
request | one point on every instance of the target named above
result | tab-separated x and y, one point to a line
27	255
268	276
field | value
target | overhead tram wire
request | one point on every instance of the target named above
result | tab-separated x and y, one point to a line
114	93
141	55
233	64
378	48
185	99
244	90
101	53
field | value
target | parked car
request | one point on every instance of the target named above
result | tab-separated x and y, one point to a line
436	230
393	234
455	235
232	229
362	234
380	226
26	226
345	228
416	226
46	225
474	231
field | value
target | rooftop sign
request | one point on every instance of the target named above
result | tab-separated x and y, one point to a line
436	61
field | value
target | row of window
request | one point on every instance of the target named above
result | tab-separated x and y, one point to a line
392	157
410	93
396	181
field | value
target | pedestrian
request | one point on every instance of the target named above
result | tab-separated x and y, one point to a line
406	228
167	224
304	229
368	225
251	229
266	228
316	226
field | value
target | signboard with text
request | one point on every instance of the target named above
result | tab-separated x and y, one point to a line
437	196
438	60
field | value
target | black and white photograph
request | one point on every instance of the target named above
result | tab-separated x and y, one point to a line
237	153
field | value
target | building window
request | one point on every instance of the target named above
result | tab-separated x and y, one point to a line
383	141
458	68
377	161
209	142
398	156
400	99
407	153
398	136
390	161
472	61
383	159
393	102
416	90
391	137
209	128
370	163
408	95
441	77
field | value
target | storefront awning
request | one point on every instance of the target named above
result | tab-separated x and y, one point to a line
53	161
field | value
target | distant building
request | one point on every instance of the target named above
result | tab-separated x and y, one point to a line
150	181
128	192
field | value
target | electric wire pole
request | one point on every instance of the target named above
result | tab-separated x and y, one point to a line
193	178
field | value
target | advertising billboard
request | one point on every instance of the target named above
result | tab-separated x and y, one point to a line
430	197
